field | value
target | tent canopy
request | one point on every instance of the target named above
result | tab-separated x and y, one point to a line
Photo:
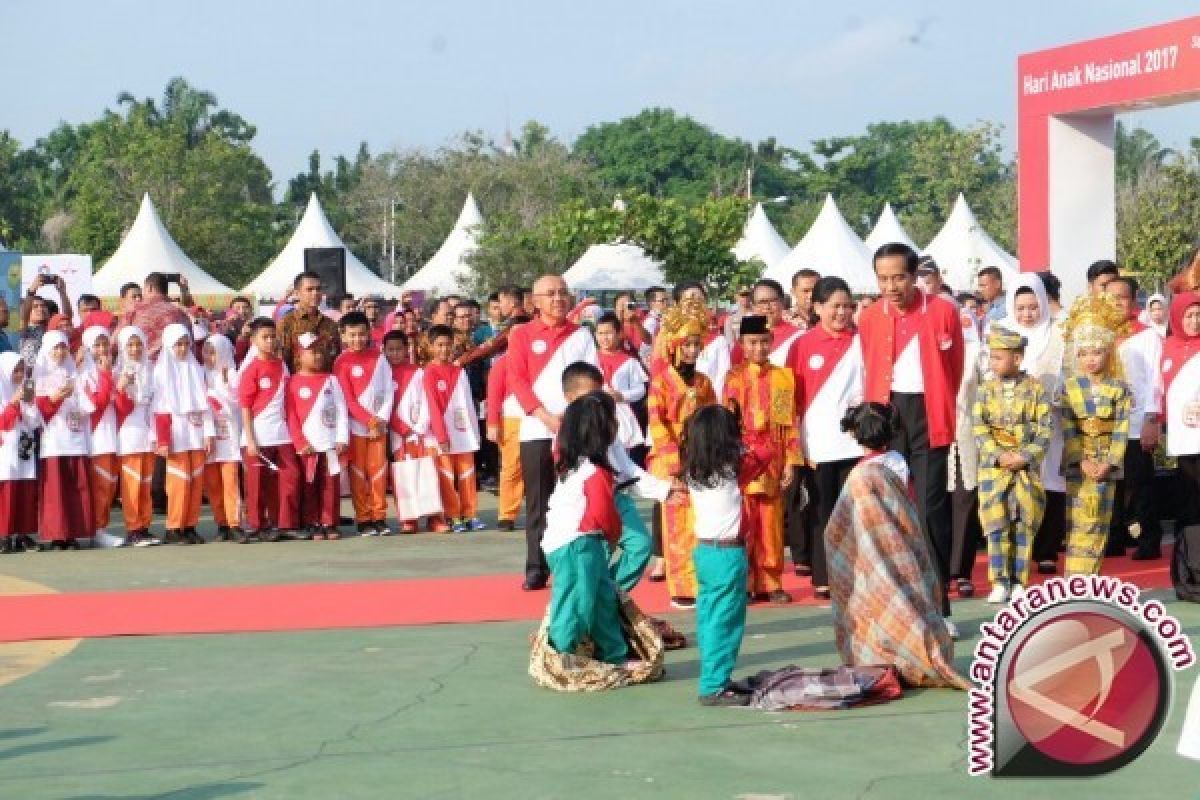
760	240
888	229
448	270
148	247
831	247
314	230
962	247
614	266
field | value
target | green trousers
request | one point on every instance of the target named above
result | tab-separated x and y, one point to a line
635	545
720	612
583	600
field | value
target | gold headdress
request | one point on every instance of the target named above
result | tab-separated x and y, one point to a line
689	318
1001	338
1096	321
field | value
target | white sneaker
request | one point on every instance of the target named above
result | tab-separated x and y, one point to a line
1018	591
998	595
951	628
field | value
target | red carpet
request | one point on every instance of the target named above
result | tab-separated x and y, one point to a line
365	604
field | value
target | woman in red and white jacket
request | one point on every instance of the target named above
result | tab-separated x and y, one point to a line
1180	369
828	365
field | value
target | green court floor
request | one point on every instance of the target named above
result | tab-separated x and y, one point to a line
449	712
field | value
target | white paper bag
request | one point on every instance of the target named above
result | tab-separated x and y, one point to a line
415	484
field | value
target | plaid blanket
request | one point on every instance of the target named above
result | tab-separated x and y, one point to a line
821	689
883	583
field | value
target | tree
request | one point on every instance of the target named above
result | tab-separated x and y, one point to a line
1156	218
1136	151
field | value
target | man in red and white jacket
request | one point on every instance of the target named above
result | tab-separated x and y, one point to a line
767	298
538	352
913	358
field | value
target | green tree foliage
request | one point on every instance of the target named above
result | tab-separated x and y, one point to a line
1157	217
196	161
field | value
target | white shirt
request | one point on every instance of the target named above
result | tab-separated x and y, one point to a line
1189	739
647	486
717	512
566	508
906	374
1140	355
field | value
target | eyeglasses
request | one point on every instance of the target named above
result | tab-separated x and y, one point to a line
768	301
554	293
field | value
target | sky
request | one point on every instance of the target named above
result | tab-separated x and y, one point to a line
400	74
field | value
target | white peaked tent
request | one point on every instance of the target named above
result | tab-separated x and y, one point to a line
962	247
614	266
148	247
831	247
314	230
760	240
447	270
888	229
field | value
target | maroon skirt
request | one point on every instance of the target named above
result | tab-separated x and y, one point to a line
18	507
66	509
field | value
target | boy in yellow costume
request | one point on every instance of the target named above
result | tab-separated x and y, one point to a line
1095	421
677	389
764	398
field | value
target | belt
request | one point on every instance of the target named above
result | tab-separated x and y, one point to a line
623	485
1005	437
1094	426
721	543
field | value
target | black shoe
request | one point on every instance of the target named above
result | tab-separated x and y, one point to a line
725	698
683	603
534	583
224	534
506	525
966	589
173	536
779	598
27	543
822	593
192	537
1146	554
803	570
8	546
244	536
1047	568
71	544
381	527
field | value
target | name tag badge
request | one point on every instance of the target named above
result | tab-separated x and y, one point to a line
945	343
1191	414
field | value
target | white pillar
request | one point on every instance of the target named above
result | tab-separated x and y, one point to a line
1082	203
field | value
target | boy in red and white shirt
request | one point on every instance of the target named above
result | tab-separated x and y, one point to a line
366	380
453	434
319	425
410	416
272	468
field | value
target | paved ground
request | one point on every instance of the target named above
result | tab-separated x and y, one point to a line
448	712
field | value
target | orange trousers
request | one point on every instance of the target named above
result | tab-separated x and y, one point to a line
456	480
137	470
764	542
368	477
679	540
185	488
105	471
512	482
224	496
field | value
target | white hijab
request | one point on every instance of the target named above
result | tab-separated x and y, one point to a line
225	373
178	383
49	377
1147	320
8	389
1038	335
88	370
142	366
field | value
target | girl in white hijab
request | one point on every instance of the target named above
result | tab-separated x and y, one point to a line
19	418
66	502
135	434
1155	317
1029	314
184	431
223	463
97	388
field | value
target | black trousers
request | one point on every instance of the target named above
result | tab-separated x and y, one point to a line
928	468
827	482
487	457
798	518
1185	556
1052	534
967	530
1135	502
537	468
656	529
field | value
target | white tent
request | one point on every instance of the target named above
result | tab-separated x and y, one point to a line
148	247
614	266
446	272
888	229
314	230
962	247
831	247
760	240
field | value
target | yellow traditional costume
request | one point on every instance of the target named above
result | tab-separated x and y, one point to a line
1095	422
676	391
764	398
1010	415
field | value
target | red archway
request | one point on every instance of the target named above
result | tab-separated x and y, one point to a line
1067	101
